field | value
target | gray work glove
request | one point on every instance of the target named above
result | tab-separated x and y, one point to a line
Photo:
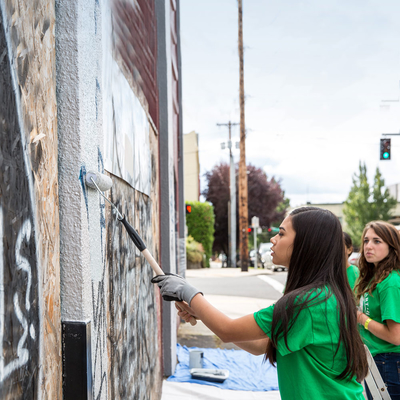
175	288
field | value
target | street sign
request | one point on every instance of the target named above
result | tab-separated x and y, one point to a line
255	222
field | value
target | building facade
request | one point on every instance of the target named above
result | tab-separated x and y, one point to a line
191	166
88	85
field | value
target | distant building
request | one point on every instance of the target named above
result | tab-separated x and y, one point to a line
335	208
191	166
394	191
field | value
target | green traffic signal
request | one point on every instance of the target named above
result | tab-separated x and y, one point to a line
385	149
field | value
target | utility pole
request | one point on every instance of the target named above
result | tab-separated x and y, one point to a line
232	204
255	223
243	202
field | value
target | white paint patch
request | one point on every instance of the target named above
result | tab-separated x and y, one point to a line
22	262
32	331
126	130
272	282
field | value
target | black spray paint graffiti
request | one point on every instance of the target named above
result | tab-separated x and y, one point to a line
19	299
133	331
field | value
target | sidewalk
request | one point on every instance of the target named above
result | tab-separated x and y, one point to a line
200	336
215	270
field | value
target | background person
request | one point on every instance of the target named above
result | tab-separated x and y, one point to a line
378	290
351	270
311	332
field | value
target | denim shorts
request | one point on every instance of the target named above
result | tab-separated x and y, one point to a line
389	367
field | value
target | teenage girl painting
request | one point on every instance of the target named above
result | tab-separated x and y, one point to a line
311	332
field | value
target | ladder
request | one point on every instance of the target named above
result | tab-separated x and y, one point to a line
374	380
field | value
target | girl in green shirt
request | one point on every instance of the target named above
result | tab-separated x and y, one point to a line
378	290
311	332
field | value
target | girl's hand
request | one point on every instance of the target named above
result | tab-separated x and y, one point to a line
184	311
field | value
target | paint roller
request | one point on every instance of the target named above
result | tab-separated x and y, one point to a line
102	183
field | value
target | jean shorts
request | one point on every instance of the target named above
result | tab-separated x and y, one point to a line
389	367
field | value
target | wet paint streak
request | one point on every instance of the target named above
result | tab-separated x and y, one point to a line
82	174
102	205
98	92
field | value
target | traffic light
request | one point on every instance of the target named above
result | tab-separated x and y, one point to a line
188	208
249	229
273	230
385	149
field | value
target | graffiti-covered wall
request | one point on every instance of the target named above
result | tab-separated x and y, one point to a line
79	92
134	346
105	125
30	362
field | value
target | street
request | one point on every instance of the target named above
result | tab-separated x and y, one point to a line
241	284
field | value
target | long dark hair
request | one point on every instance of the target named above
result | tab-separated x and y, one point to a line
370	275
317	262
347	241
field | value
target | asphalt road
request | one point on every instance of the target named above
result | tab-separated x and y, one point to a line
256	286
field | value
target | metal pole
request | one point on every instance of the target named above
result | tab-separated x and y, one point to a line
229	256
243	201
232	171
232	208
255	248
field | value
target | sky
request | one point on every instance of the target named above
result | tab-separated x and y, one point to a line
318	77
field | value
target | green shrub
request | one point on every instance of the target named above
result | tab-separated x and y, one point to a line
200	223
194	250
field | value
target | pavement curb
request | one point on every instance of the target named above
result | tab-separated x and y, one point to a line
225	272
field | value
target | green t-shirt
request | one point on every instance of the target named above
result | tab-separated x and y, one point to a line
308	370
352	275
382	304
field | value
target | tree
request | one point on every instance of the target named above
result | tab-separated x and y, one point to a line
365	204
200	223
265	200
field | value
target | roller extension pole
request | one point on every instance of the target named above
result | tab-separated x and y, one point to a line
142	247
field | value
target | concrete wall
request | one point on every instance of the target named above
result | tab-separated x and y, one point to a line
30	366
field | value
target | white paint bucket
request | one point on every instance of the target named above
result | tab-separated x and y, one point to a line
195	359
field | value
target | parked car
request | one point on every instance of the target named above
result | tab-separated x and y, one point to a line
252	259
354	257
265	251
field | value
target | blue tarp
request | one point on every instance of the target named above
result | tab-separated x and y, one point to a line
246	372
